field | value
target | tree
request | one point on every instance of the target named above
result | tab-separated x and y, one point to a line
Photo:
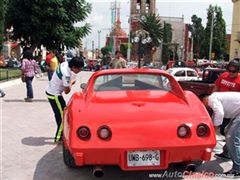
197	30
48	22
2	3
167	39
105	50
219	38
219	33
123	49
152	24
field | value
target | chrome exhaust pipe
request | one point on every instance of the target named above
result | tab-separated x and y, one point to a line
97	171
190	167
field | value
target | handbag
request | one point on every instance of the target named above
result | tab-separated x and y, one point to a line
23	78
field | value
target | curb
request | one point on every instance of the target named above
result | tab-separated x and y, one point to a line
10	83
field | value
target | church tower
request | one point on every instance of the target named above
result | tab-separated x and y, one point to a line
235	37
143	7
140	8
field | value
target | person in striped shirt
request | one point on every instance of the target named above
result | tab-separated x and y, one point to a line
29	67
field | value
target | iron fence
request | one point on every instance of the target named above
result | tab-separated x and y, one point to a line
7	74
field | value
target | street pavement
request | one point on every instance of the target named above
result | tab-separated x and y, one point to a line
28	151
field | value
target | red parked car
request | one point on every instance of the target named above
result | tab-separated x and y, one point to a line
137	119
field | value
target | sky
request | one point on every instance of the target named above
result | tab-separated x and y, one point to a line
100	17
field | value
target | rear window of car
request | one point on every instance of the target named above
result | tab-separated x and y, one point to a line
180	73
131	82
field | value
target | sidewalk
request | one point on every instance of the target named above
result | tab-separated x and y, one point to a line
10	83
22	129
27	132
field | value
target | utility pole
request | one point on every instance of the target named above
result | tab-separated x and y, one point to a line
92	50
99	32
113	20
129	35
211	38
115	29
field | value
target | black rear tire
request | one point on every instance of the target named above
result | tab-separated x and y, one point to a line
68	158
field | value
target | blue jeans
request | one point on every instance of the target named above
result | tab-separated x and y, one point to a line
233	142
29	87
106	67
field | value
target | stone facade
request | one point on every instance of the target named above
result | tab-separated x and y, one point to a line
178	31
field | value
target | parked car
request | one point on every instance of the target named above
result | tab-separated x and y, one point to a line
184	74
129	118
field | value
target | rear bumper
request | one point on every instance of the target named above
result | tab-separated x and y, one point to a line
119	157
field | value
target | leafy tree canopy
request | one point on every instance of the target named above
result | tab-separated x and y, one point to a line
167	33
124	49
167	39
219	32
105	50
1	23
197	30
48	22
152	24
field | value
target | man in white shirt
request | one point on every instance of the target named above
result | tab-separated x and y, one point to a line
118	62
227	105
62	81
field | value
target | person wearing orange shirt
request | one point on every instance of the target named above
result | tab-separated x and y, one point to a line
230	80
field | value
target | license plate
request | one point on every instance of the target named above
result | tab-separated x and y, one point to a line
143	158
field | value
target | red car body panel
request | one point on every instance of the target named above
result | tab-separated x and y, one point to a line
140	121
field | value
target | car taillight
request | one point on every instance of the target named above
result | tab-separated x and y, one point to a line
104	132
183	131
84	133
202	130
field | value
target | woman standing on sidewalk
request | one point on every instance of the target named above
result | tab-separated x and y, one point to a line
29	67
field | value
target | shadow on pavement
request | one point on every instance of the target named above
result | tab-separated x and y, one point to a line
22	100
52	167
39	79
38	141
212	166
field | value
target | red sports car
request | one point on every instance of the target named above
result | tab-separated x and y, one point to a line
138	119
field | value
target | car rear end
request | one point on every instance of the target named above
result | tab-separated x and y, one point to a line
138	135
